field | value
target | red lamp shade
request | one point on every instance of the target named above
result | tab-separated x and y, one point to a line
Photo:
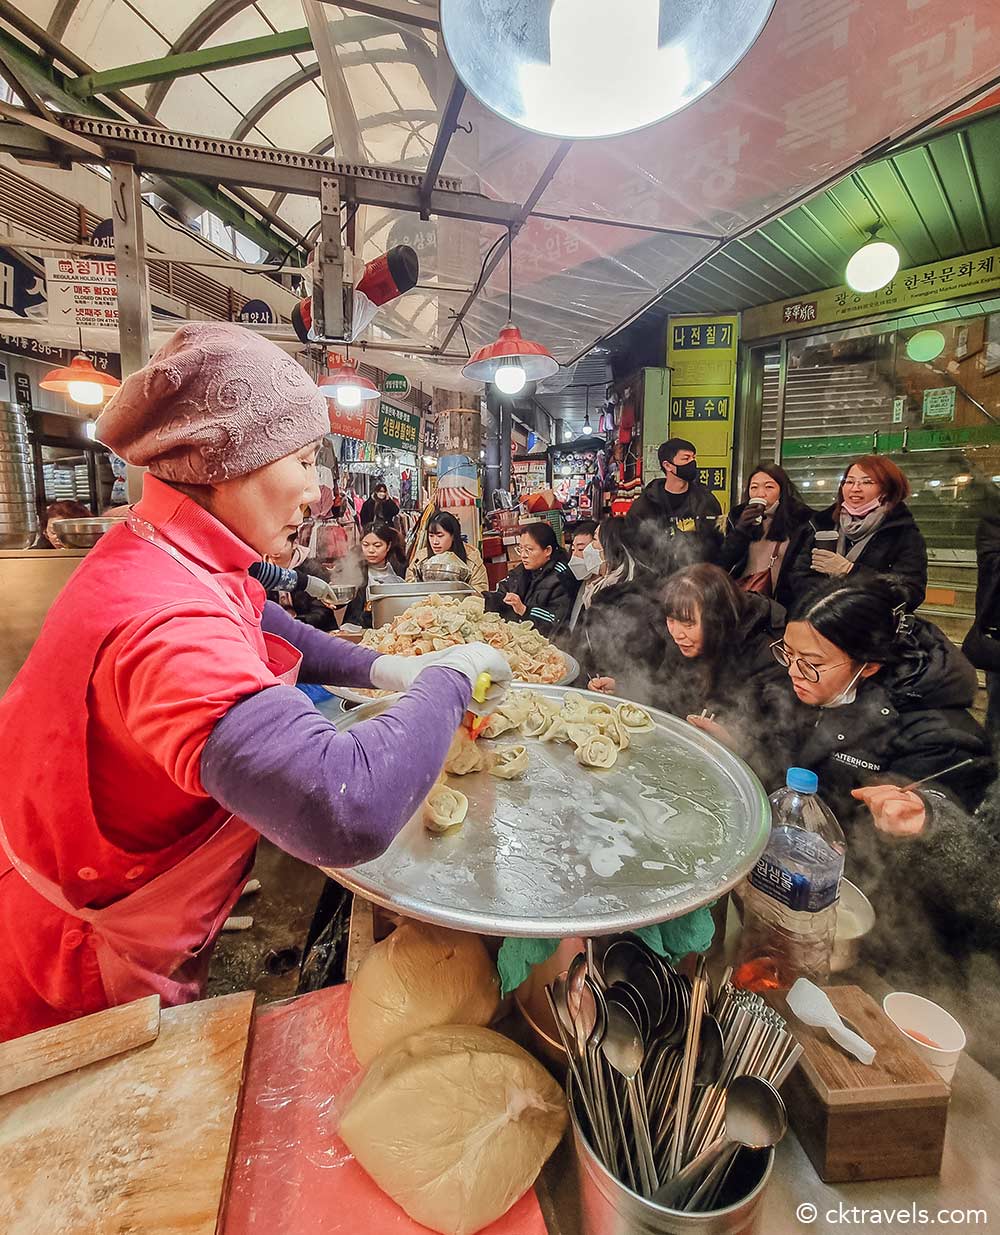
536	360
80	381
345	384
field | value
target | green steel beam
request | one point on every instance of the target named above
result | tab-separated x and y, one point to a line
185	64
53	85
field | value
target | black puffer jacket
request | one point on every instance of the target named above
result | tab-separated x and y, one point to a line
897	549
736	549
670	538
622	636
547	593
906	722
982	643
732	687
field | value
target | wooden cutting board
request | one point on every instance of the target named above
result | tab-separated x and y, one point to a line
132	1145
64	1048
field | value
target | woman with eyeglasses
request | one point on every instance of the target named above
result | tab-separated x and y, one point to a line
874	699
868	531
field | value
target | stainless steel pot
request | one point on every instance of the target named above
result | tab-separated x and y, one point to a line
392	599
82	533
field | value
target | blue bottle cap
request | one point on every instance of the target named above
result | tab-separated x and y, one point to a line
802	780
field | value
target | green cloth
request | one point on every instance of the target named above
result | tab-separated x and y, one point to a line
691	933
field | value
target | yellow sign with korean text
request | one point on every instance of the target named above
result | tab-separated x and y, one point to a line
920	286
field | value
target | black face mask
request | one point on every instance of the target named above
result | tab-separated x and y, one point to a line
687	471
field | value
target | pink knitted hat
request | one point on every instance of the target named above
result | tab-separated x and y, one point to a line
215	402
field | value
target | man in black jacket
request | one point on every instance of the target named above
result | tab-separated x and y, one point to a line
676	521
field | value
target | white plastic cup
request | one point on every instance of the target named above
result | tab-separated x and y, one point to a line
915	1013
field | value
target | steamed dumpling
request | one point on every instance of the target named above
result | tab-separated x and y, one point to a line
597	752
597	713
444	808
464	755
635	718
580	732
540	717
510	762
574	706
615	730
499	723
554	731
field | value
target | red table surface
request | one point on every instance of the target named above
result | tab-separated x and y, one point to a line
291	1172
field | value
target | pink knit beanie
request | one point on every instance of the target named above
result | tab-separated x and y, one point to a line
215	402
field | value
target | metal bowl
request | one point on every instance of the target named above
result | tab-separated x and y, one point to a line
17	540
82	533
342	594
445	572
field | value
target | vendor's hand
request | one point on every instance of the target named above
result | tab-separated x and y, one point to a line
400	672
605	685
714	730
834	564
515	602
895	811
472	659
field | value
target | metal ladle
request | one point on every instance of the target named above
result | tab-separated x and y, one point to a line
755	1117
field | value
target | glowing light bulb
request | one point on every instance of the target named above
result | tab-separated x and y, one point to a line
349	395
509	377
872	267
87	393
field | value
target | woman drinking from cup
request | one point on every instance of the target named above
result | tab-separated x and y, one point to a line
868	531
765	533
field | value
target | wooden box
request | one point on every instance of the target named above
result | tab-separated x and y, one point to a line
884	1121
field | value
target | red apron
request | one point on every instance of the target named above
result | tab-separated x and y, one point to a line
158	939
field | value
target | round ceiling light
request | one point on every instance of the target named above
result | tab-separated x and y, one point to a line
925	345
556	68
81	382
873	266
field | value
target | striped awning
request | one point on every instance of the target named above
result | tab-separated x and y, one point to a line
454	496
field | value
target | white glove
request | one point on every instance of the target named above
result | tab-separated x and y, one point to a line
400	672
472	659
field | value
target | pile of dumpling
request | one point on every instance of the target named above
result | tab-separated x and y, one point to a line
597	730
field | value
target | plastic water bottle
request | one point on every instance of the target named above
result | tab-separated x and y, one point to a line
790	898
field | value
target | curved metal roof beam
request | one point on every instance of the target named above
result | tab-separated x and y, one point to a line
348	30
62	15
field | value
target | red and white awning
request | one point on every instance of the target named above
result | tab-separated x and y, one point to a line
455	497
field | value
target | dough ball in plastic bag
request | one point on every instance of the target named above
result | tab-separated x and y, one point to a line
418	977
455	1123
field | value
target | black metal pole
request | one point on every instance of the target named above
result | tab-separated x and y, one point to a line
491	444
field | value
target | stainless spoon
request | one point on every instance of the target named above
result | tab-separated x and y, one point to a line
623	1049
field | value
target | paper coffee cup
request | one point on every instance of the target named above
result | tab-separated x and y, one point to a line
932	1032
826	540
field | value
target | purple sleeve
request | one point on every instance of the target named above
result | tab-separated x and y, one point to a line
325	660
329	798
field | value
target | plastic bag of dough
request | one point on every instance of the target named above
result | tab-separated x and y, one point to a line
598	752
444	808
510	762
634	718
420	976
455	1124
464	755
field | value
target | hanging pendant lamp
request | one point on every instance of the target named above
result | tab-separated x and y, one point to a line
81	382
345	385
512	360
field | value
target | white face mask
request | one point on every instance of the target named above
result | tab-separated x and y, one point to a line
848	694
588	564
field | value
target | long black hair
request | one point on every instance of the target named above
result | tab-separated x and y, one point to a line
388	534
865	620
445	522
792	510
545	538
706	593
615	548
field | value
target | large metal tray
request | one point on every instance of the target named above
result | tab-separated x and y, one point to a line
572	851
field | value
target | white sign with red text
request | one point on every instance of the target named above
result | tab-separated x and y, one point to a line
82	291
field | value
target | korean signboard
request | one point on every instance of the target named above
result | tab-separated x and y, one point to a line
939	404
22	290
396	384
398	427
920	285
82	291
701	356
347	421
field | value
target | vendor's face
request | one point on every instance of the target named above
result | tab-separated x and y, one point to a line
51	537
580	541
375	549
533	557
439	540
687	635
764	487
819	670
265	508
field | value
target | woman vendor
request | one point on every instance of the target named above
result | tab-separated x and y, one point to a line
157	731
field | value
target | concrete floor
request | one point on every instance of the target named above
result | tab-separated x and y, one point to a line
282	911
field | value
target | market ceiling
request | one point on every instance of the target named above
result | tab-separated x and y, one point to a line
612	223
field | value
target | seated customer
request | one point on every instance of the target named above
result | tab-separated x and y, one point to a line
872	696
765	533
618	636
717	657
541	590
867	532
444	535
583	559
